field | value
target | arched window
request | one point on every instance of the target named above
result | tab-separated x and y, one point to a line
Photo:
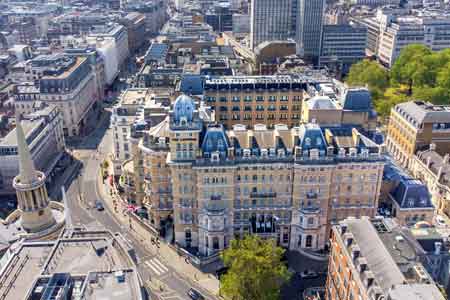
307	141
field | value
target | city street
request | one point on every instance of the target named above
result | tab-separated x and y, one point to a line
91	151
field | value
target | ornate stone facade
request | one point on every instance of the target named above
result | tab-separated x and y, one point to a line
287	184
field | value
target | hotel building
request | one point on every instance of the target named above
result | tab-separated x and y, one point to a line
251	100
290	184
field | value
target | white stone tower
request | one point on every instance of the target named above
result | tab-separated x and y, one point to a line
32	197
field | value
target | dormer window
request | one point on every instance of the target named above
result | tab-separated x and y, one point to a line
411	202
215	157
264	153
423	201
308	141
319	141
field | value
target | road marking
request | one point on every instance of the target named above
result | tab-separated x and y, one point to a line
157	261
156	266
152	267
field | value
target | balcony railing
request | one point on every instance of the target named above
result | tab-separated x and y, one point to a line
309	210
320	160
264	207
263	195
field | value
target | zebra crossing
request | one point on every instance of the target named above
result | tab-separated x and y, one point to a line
156	266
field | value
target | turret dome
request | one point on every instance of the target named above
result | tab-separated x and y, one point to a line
183	109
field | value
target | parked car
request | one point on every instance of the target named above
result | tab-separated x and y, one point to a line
99	206
309	274
195	295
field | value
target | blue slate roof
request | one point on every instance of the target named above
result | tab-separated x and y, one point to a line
215	140
356	99
311	137
411	193
192	84
392	172
183	108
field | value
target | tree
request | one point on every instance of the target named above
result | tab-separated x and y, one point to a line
255	272
436	95
410	67
391	97
443	77
369	73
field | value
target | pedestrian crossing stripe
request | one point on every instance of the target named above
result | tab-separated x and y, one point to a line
156	266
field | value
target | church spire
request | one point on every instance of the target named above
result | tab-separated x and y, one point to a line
32	198
27	171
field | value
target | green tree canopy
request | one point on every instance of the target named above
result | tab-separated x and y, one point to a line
390	98
369	73
412	67
417	74
255	272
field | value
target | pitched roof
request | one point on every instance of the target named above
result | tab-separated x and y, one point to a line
356	99
412	193
418	112
379	260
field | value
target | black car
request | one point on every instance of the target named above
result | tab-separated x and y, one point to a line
195	295
99	206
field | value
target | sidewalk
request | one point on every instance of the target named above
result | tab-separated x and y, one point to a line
167	254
